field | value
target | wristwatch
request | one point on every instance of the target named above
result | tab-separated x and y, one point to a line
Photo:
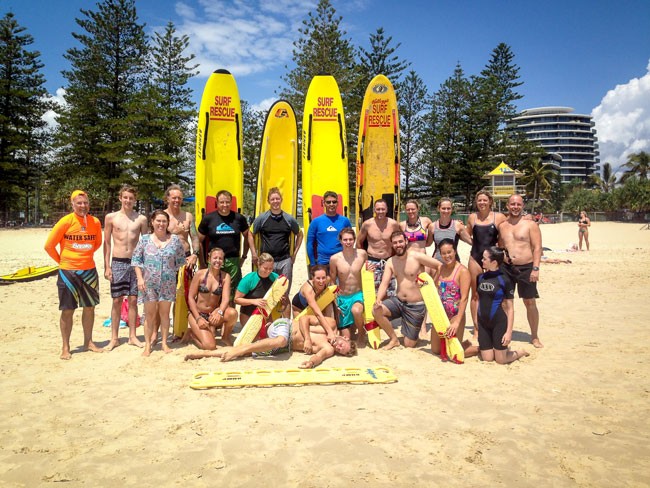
535	268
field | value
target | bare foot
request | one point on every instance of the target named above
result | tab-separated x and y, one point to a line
187	337
112	345
522	353
93	348
134	341
66	355
227	341
362	342
393	343
537	343
147	352
166	349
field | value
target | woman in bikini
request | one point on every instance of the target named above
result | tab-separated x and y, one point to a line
583	229
309	292
447	228
208	303
415	228
483	226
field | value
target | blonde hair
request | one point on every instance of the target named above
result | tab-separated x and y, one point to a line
265	257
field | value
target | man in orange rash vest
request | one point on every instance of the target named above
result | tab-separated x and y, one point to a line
78	235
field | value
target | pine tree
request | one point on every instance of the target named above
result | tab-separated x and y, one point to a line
322	48
165	117
23	134
412	105
381	60
105	79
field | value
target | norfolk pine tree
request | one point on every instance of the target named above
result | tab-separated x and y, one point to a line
105	77
23	134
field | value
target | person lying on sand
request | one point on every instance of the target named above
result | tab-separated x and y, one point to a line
282	337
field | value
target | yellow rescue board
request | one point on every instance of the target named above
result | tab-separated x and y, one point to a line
278	166
180	306
259	316
324	149
219	144
327	296
450	348
378	155
369	298
292	377
31	273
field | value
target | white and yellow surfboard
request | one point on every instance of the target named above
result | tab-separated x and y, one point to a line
219	144
378	154
324	149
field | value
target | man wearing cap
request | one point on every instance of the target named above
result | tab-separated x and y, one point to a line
78	235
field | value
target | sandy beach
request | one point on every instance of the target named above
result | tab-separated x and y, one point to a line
574	413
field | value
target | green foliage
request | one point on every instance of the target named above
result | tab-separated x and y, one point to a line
23	134
633	195
253	121
412	110
638	164
105	82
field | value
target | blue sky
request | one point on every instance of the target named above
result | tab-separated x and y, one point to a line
570	53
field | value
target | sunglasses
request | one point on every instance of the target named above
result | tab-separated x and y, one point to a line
331	202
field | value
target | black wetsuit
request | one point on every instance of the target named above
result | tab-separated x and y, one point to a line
493	287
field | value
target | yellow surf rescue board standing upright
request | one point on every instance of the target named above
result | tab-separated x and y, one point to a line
278	162
369	298
378	155
324	149
219	144
450	348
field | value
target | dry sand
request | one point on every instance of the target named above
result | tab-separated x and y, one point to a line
572	414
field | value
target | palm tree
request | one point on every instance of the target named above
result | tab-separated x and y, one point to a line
607	181
638	164
537	178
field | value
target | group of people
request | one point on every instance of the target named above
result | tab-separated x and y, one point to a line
142	259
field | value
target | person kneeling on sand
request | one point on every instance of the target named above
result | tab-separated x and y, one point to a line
209	304
282	337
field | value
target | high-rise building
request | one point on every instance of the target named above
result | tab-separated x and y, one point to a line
560	131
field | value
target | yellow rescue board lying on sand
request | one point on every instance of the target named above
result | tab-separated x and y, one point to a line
450	348
219	144
324	149
292	377
259	316
31	273
369	298
278	163
327	296
378	156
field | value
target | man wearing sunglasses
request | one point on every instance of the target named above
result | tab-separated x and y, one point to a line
323	233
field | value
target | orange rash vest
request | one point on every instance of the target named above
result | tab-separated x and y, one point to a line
78	239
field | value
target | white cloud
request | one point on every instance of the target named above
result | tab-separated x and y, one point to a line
243	36
623	120
264	105
59	101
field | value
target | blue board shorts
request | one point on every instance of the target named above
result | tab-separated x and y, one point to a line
345	303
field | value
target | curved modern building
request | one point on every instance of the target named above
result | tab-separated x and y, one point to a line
558	130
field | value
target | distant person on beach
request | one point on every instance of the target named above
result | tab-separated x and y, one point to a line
225	228
375	236
209	304
78	235
280	236
182	224
122	230
415	227
407	303
523	240
322	236
345	270
483	226
283	336
583	229
496	310
156	259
